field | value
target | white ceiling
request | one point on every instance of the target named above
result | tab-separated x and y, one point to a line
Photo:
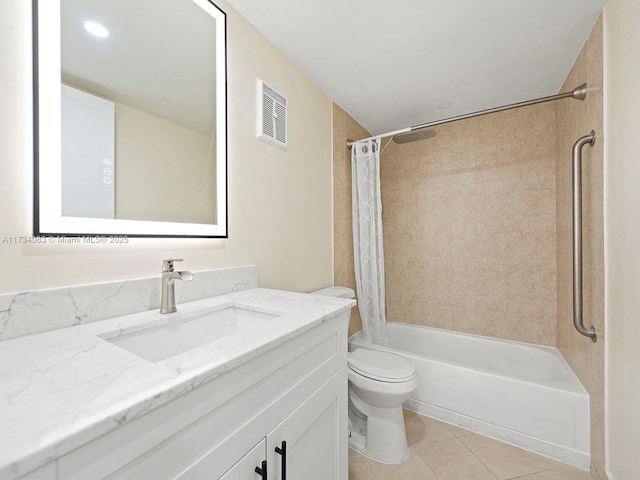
391	64
159	57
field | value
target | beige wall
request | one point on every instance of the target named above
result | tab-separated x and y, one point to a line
574	120
163	171
469	227
280	209
622	198
344	127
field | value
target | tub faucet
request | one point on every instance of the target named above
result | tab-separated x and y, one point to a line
169	276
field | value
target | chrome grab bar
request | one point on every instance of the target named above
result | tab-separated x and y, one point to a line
577	235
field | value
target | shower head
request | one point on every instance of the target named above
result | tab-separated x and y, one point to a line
414	136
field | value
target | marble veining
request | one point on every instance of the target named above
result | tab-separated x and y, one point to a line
39	311
66	387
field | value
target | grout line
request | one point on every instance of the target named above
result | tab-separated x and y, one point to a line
479	459
532	455
424	462
544	467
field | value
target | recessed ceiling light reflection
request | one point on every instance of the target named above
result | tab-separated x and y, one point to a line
95	29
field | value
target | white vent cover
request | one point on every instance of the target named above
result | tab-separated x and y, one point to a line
272	116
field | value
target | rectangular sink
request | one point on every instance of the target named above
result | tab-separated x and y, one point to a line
159	342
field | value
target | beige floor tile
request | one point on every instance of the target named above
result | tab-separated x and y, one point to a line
444	452
413	468
353	453
504	460
421	429
562	473
566	472
548	462
548	475
360	468
458	431
452	460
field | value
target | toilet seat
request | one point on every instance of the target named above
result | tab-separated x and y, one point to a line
381	366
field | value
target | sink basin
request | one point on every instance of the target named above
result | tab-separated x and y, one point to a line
159	342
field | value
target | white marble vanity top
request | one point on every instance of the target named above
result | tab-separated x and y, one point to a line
63	388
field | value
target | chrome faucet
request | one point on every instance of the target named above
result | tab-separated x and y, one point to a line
169	276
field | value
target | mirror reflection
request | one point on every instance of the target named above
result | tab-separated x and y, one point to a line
130	118
138	110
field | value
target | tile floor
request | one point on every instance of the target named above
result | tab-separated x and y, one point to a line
443	452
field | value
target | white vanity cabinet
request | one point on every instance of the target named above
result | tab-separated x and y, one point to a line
315	441
295	392
314	447
247	464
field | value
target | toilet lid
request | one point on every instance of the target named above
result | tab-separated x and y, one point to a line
381	366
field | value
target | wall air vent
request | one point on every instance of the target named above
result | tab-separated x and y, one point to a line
272	116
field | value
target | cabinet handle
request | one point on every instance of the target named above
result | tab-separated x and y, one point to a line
262	471
283	451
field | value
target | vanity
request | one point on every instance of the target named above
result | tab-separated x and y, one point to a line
130	140
246	385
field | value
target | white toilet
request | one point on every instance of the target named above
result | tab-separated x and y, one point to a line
379	383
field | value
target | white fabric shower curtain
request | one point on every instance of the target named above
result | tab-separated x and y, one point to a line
367	239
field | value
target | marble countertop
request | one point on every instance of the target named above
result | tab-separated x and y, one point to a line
63	388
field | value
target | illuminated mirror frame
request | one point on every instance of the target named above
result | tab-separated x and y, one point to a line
48	219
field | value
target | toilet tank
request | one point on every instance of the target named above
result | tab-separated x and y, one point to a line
340	292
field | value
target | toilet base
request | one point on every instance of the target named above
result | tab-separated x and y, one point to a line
386	438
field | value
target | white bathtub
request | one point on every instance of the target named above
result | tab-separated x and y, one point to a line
523	394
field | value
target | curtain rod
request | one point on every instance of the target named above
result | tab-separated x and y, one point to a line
578	93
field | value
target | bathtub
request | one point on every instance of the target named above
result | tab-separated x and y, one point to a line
522	394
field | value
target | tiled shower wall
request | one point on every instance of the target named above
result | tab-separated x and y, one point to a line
469	222
574	120
344	127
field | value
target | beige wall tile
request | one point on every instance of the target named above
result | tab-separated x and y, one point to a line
575	119
462	208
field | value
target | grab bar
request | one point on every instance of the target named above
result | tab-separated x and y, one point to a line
577	235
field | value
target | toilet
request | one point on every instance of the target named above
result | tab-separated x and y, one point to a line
379	383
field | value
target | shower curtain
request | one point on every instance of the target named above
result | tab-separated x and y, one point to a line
367	239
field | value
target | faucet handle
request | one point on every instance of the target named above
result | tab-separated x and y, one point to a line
167	264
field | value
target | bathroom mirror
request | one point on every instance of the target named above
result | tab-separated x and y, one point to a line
130	118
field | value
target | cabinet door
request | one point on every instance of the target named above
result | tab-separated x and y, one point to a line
245	469
315	435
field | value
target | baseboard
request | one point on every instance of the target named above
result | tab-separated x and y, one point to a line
560	453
